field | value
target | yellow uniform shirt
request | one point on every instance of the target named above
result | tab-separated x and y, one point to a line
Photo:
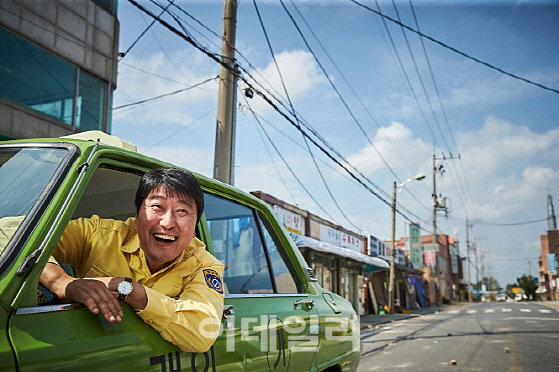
181	296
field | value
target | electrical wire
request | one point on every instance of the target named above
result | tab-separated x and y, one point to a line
216	58
297	119
410	86
125	53
386	138
338	92
455	50
420	78
164	95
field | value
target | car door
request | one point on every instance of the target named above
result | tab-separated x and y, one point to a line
276	318
68	337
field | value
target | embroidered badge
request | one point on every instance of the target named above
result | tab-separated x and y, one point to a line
213	280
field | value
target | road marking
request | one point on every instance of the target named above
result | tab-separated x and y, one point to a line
471	311
454	311
526	318
506	310
489	310
525	310
545	311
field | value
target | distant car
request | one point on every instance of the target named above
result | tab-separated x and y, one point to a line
501	297
519	297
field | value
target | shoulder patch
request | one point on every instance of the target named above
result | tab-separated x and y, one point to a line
213	280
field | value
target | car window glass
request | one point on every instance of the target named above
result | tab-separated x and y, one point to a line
282	276
25	174
238	245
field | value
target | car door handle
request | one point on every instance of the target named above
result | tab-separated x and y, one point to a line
307	301
228	311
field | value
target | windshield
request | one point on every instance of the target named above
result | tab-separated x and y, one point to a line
24	175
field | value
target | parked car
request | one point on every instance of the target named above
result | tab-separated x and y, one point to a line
501	297
276	317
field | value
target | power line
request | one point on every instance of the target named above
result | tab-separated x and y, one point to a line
214	57
338	92
163	95
356	96
406	77
123	54
297	120
456	50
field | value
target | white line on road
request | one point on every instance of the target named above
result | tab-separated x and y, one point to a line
545	311
526	318
506	310
489	310
525	310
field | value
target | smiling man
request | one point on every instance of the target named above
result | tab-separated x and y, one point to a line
153	262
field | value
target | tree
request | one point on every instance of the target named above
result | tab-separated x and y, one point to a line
490	282
528	285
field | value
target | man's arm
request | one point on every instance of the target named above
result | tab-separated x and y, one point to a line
93	293
192	321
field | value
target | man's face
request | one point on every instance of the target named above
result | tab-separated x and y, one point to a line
166	224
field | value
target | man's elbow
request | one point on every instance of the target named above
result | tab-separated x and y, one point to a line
202	339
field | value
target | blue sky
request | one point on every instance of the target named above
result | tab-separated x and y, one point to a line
505	130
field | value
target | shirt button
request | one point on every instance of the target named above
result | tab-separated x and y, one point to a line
149	321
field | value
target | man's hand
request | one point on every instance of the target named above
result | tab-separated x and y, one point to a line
93	293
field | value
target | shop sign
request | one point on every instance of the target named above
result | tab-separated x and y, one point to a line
352	242
373	246
325	233
551	264
292	221
416	250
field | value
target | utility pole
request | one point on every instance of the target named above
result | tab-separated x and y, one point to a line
469	263
435	237
393	255
224	159
439	203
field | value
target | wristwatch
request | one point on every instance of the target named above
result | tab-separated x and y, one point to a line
124	288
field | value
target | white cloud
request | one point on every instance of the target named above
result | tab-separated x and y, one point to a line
299	72
397	146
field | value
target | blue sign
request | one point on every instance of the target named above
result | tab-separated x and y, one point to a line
551	264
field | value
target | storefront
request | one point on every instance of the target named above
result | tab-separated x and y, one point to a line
338	269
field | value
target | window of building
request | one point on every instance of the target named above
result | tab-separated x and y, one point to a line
41	81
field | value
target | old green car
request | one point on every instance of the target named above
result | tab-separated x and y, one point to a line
276	316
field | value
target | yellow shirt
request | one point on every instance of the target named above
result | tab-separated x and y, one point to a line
181	296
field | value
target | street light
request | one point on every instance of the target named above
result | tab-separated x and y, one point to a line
417	177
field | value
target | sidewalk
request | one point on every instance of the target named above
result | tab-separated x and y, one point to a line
372	321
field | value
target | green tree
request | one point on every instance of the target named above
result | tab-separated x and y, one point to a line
490	282
528	285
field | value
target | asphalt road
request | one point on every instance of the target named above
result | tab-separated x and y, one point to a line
510	337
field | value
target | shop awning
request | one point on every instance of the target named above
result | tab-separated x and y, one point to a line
316	245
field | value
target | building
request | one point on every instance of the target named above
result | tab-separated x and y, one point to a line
548	264
58	67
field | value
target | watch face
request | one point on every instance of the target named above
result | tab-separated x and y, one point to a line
124	288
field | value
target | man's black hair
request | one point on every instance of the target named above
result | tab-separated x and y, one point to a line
177	180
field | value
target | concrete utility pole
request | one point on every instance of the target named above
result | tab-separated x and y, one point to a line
436	206
224	159
469	263
393	255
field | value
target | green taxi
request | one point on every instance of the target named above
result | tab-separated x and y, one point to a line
276	315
